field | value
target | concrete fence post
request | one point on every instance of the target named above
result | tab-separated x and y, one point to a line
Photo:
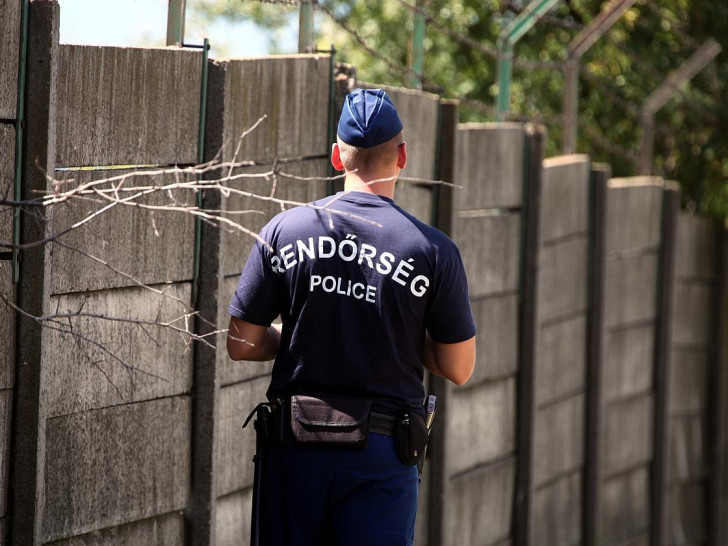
717	532
595	354
28	439
201	511
663	342
442	219
533	173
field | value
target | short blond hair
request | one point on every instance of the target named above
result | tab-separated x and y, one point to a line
367	160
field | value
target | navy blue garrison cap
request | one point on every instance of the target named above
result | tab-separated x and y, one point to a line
368	118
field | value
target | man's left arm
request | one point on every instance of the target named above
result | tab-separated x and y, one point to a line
248	341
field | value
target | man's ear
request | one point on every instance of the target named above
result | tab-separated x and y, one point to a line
402	155
336	157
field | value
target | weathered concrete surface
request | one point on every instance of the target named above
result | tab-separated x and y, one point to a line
7	179
7	289
415	199
688	449
628	358
688	382
561	366
625	507
116	465
689	390
628	429
419	113
489	165
490	247
232	526
565	197
112	362
9	51
634	213
167	529
562	279
630	289
129	245
230	371
557	512
6	415
292	92
7	327
693	318
256	198
236	446
127	106
497	342
480	425
558	439
696	244
686	510
479	506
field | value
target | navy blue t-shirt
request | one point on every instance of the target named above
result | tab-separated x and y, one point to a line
356	281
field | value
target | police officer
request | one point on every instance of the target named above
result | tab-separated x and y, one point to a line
368	297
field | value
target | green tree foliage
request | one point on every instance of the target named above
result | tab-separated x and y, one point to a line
617	74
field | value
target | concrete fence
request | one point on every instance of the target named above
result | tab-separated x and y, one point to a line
597	410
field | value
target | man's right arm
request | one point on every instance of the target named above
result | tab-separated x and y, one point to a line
453	361
248	341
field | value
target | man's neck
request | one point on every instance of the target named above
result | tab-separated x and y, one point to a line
377	185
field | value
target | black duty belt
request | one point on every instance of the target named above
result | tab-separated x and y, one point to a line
380	423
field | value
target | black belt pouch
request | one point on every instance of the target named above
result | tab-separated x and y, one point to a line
340	422
410	438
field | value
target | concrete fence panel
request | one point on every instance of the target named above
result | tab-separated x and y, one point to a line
478	505
165	529
625	502
105	467
497	343
9	47
489	244
560	356
233	518
7	314
236	446
481	418
415	199
127	244
633	224
121	356
557	512
489	165
565	197
292	93
625	370
127	106
485	430
634	210
560	370
689	444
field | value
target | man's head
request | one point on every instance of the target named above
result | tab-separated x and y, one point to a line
369	135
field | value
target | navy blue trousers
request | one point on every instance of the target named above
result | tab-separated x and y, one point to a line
320	496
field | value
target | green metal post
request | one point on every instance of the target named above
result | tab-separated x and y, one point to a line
19	126
305	27
508	38
200	159
176	22
332	117
611	13
418	47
